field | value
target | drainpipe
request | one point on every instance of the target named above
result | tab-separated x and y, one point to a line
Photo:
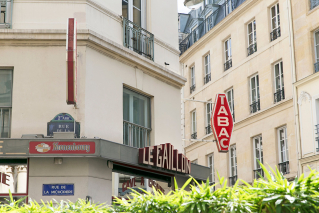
183	112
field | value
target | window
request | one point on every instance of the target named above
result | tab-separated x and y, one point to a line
210	161
132	10
275	22
207	69
209	22
252	39
258	156
5	103
194	34
313	4
254	94
283	150
194	127
279	83
233	165
317	50
193	85
5	15
230	99
208	116
137	119
228	56
228	7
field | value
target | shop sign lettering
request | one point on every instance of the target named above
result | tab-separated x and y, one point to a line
58	189
3	178
50	147
131	183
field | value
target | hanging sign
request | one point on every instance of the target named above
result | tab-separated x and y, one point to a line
222	122
166	157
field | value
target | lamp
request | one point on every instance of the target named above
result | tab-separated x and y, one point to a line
192	3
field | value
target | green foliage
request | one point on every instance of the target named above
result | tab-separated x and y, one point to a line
272	194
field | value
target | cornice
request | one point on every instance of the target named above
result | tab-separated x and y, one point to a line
166	46
306	79
309	159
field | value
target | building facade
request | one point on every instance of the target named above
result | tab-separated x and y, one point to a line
242	49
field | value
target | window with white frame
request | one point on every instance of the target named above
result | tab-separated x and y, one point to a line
133	10
232	165
275	16
5	103
252	37
258	156
193	125
254	94
194	34
207	69
6	13
228	7
193	80
208	117
230	99
317	51
279	82
228	55
316	123
210	161
209	21
283	146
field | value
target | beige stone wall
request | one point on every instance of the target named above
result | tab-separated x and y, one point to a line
271	116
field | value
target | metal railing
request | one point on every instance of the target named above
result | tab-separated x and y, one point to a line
208	129
207	78
313	4
317	138
136	135
279	95
194	135
192	88
254	107
258	173
284	167
317	67
276	33
138	39
228	64
251	49
232	180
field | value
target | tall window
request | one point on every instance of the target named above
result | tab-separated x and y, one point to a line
207	69
254	94
194	34
228	7
279	82
275	22
193	85
252	37
5	103
210	161
208	116
233	165
194	127
317	51
5	13
230	99
228	55
132	10
283	150
258	156
137	119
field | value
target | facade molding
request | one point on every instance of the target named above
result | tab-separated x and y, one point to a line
304	96
166	46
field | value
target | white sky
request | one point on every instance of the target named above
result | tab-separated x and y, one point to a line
181	7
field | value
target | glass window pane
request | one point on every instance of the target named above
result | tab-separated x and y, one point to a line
317	38
126	106
137	16
137	3
250	28
273	12
5	123
125	9
317	50
5	88
274	21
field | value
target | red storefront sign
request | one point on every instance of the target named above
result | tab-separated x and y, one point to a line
166	157
71	62
222	122
44	147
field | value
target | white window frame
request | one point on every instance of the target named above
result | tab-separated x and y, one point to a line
281	76
231	102
253	33
6	108
194	29
227	49
276	15
207	65
285	151
316	45
228	7
193	79
208	113
261	151
143	12
194	124
210	164
232	159
257	89
208	22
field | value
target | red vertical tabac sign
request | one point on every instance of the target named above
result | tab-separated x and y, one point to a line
222	122
71	62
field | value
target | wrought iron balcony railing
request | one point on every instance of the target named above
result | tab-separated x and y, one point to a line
254	107
192	88
284	167
136	135
208	129
276	33
228	64
313	4
232	180
138	39
317	67
258	173
279	95
194	135
207	78
251	49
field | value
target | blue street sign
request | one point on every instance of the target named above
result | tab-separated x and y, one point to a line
58	190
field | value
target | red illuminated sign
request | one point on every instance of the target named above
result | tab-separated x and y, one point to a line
166	157
222	122
58	147
71	62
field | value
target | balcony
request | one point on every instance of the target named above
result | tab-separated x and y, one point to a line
275	34
313	4
208	129
279	95
135	135
194	135
192	88
317	67
232	180
284	167
138	39
207	78
228	64
258	173
251	49
254	107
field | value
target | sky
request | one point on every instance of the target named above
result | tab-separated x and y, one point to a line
181	7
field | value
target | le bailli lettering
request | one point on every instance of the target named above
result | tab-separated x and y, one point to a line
74	147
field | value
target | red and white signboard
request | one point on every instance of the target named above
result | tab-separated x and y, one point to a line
222	122
71	62
60	147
